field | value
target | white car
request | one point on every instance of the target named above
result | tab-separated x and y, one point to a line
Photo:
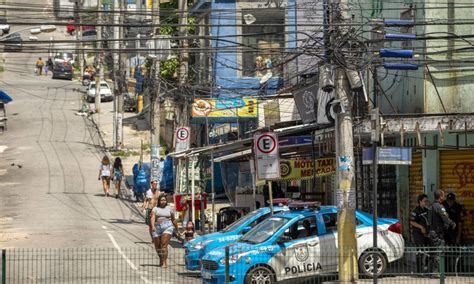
105	92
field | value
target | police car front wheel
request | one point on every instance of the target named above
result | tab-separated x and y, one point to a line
366	263
260	275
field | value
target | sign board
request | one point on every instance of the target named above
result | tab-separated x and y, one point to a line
182	138
305	100
302	169
387	156
225	108
267	156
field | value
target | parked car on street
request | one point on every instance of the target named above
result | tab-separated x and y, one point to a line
197	248
62	71
301	243
13	43
105	92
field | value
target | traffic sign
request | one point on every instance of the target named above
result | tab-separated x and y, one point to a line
266	156
182	135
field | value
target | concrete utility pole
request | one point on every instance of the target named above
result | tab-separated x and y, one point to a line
116	77
183	32
155	113
99	76
346	196
77	20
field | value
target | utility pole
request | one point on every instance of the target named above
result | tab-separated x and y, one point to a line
117	127
346	196
99	76
183	32
77	20
155	111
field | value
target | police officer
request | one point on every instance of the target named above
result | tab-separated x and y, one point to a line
419	233
439	223
455	213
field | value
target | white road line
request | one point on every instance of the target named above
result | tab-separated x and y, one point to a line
130	263
104	227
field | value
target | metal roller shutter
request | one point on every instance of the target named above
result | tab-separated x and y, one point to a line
457	175
416	179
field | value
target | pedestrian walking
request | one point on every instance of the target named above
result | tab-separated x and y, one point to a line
104	174
48	66
117	174
151	200
39	66
163	225
419	232
439	223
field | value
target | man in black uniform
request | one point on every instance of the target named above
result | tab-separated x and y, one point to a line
455	213
439	223
419	233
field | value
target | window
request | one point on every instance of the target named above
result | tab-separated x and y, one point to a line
330	221
263	37
302	229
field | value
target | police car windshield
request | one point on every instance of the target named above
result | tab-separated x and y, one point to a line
264	230
240	222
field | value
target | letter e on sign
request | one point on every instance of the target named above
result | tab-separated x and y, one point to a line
182	139
266	156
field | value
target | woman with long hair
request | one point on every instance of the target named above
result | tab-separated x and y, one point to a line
163	224
117	174
104	174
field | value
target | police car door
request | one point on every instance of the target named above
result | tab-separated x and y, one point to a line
327	231
299	249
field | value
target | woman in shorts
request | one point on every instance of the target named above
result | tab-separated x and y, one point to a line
163	225
104	174
117	174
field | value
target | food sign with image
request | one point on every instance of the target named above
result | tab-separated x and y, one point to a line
225	108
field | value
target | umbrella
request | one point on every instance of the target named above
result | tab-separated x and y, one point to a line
4	97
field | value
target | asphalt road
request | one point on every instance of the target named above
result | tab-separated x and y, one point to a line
52	208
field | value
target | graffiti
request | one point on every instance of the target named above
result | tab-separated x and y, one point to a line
465	172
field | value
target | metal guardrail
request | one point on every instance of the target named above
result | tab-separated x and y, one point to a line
141	265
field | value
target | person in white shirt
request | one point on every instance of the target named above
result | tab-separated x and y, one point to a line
104	174
151	200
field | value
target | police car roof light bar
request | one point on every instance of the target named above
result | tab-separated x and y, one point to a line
305	205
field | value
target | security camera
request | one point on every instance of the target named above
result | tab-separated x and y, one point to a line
337	107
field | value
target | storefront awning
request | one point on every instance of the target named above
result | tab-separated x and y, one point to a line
233	155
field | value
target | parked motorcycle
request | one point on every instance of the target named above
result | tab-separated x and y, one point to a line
129	102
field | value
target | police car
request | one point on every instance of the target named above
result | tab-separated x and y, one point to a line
197	248
298	244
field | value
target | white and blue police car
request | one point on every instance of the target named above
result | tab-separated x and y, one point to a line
301	243
197	248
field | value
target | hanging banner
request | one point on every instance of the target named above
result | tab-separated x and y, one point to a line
226	108
304	169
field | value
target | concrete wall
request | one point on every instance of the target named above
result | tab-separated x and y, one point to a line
454	80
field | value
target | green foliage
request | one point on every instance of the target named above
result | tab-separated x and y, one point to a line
168	68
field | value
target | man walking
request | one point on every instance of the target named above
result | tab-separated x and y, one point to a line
439	223
420	225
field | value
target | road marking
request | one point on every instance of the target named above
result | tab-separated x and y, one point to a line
130	263
3	148
104	227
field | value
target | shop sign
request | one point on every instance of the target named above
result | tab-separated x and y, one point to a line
305	169
225	108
